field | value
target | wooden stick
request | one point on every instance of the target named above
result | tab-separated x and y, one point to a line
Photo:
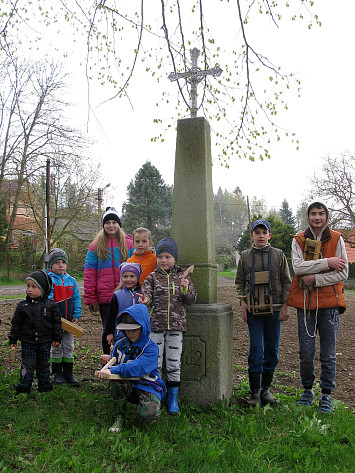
13	354
189	270
109	363
117	377
114	376
72	328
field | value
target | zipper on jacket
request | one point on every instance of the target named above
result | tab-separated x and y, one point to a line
113	264
66	300
168	275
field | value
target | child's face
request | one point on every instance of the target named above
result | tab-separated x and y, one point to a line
129	280
141	243
260	236
111	227
317	218
59	267
134	335
33	291
166	261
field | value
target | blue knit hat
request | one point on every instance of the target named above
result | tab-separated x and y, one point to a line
167	245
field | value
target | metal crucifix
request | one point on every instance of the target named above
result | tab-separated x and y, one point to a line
194	76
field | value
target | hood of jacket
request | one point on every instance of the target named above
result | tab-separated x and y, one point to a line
140	313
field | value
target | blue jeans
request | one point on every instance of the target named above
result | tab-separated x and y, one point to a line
264	334
327	327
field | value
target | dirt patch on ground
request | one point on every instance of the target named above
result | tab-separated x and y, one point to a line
88	348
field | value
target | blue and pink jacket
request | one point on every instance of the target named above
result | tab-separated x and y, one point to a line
102	277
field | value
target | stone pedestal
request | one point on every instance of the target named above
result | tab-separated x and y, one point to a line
207	359
207	356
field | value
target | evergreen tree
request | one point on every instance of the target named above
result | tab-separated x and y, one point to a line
286	214
149	202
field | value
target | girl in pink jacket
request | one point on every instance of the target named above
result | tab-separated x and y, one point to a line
106	253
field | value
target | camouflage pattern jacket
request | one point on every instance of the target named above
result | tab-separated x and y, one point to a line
166	300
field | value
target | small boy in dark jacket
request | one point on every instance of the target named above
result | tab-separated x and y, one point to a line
136	357
66	294
36	323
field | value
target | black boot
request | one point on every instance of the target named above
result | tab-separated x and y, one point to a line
68	374
57	372
254	382
266	380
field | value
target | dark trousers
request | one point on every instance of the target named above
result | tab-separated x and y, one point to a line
35	357
104	313
327	323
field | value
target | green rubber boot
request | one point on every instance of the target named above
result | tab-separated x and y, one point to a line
119	423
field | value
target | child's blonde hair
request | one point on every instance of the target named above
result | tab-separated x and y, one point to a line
101	247
142	230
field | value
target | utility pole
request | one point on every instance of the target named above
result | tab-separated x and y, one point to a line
47	214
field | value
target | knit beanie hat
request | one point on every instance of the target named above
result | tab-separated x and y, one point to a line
134	268
55	255
167	245
111	214
42	279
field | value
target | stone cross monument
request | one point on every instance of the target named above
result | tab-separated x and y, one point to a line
194	76
207	359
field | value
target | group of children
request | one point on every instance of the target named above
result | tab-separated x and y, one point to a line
320	265
141	297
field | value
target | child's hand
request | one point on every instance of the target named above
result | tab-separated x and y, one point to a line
105	359
245	311
110	338
336	263
308	279
12	345
75	321
142	298
284	314
55	344
184	283
103	374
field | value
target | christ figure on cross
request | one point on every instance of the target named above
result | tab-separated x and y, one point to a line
194	76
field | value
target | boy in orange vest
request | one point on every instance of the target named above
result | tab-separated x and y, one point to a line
317	292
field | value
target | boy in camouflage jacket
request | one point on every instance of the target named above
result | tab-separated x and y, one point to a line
166	291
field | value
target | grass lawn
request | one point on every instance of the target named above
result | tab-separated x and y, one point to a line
67	431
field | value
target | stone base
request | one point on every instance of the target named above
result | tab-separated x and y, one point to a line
207	357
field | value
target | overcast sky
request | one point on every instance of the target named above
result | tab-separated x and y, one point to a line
322	118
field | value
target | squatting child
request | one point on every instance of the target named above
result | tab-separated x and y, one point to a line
125	296
136	357
66	294
142	241
317	292
264	329
36	323
166	291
